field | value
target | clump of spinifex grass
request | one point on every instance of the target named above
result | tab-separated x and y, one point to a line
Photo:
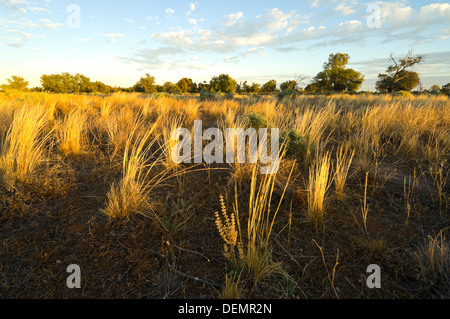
23	149
71	133
318	184
343	162
434	265
132	194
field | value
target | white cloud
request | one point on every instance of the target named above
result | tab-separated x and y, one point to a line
47	24
112	36
182	37
38	9
345	10
231	19
192	7
21	33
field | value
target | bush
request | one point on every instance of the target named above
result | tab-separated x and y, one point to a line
207	96
256	120
295	143
403	94
229	96
287	93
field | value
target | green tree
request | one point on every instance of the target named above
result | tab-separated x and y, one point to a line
446	89
245	88
311	88
66	83
100	87
171	88
269	87
435	89
336	77
397	77
255	88
290	85
222	84
16	83
204	86
186	85
146	84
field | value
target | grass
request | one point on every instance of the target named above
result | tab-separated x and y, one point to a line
115	208
318	185
71	133
343	162
23	151
132	194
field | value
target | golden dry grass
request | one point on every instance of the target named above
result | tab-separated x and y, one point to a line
268	230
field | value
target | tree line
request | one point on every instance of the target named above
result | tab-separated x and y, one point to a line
335	77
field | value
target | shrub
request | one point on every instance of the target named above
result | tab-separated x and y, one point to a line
287	94
295	143
229	96
256	120
403	94
207	96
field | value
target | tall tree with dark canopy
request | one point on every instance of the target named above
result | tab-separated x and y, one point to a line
397	77
336	77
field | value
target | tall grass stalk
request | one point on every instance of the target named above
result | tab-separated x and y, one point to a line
318	185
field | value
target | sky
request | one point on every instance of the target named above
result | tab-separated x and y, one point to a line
117	42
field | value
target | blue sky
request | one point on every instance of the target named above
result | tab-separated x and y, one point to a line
116	42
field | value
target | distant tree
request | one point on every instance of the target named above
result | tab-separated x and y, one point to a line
290	85
311	88
146	84
204	86
171	88
16	83
269	87
66	83
435	89
397	77
222	84
100	87
186	85
446	89
336	77
255	88
245	87
239	88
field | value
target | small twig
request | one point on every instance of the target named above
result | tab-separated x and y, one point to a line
179	273
191	251
330	278
203	281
